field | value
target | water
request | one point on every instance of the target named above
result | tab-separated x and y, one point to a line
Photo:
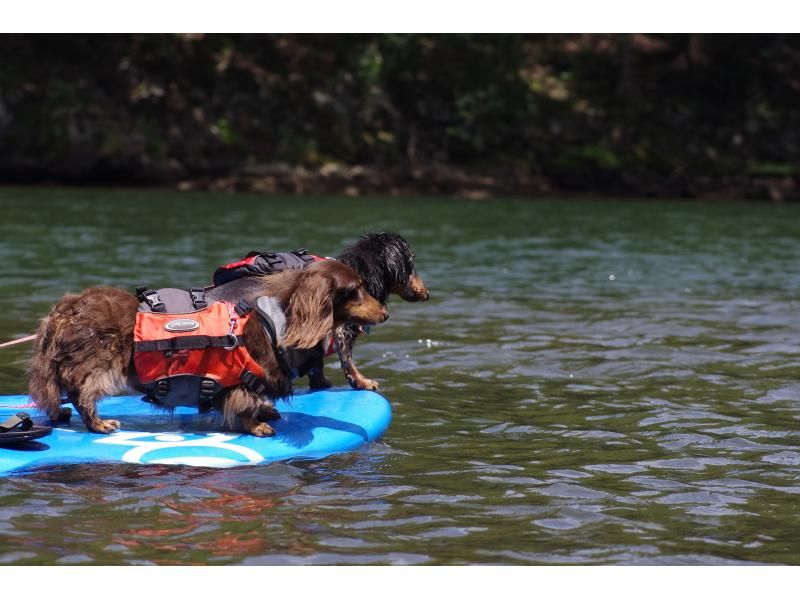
592	382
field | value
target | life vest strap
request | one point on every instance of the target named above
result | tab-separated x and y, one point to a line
268	324
180	343
184	390
254	383
243	308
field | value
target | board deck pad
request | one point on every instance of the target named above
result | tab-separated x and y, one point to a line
313	425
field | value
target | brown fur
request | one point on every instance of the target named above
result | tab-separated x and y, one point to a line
386	264
413	291
84	347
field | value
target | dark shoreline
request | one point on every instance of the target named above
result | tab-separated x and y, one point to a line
441	180
692	116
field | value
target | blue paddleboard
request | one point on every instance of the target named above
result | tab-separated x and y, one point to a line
312	425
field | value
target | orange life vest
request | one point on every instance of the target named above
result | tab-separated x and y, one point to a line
185	357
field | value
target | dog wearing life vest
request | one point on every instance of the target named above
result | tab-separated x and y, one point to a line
385	263
85	346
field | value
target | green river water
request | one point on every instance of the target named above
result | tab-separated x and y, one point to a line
592	382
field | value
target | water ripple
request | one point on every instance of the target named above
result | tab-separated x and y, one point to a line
592	383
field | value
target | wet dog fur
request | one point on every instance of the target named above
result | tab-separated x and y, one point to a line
84	347
386	264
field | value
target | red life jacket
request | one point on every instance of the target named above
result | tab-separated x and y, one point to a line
186	351
259	263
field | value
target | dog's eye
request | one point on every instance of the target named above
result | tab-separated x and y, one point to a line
348	293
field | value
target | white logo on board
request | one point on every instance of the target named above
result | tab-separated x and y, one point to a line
206	450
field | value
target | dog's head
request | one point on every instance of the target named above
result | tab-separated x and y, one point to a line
386	263
325	295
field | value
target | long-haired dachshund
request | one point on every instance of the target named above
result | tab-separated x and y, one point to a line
385	263
85	346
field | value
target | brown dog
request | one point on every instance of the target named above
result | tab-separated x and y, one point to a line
385	263
84	347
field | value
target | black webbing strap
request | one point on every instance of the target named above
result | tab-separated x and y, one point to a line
243	307
160	390
21	420
181	343
254	383
207	389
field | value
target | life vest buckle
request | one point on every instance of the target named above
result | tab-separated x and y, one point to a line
243	307
161	389
273	259
207	387
153	299
198	298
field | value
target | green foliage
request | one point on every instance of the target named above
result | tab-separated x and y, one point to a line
585	110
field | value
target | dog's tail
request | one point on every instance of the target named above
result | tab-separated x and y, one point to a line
43	381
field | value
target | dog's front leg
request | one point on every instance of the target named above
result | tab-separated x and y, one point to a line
357	380
316	376
346	335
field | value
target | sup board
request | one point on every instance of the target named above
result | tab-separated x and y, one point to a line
313	425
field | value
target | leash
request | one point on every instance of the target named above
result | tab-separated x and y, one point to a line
24	339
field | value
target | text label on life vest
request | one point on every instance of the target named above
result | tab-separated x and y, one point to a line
181	325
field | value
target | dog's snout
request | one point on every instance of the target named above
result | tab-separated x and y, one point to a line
385	314
416	289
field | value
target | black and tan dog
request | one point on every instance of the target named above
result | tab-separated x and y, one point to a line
386	264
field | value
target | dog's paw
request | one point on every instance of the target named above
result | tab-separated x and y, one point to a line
371	384
361	383
262	430
104	426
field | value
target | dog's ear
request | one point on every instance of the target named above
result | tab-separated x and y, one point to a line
309	315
